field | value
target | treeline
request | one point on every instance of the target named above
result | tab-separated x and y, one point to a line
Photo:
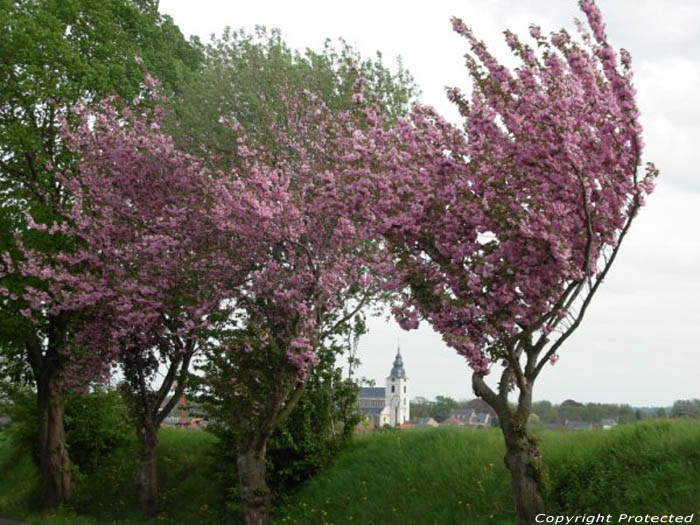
569	410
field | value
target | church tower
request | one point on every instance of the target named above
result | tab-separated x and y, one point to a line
397	393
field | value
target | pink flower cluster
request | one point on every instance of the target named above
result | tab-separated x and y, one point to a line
489	226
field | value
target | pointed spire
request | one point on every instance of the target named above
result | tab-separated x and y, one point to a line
397	371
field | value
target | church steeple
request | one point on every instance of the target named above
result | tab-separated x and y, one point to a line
397	371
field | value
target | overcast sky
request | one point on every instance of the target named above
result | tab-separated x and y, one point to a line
639	342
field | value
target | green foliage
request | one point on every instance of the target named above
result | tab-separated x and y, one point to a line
456	475
19	403
315	431
589	412
52	53
96	424
108	495
533	423
649	467
247	75
421	407
426	476
442	407
686	408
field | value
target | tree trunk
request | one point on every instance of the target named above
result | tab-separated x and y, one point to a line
255	493
54	462
147	475
528	472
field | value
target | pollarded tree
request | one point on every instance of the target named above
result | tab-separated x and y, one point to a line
503	233
304	207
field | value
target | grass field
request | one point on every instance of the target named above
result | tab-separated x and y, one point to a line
432	476
456	476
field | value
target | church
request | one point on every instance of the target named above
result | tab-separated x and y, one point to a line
387	405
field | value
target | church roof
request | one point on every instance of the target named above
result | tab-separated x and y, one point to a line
371	392
397	371
371	410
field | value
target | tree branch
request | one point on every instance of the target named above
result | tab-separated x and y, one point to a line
589	297
347	317
484	391
160	413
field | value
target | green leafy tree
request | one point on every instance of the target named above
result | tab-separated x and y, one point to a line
247	77
688	408
53	53
421	407
96	423
442	407
306	441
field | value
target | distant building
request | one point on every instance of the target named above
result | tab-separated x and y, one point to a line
424	422
388	405
577	425
464	415
183	415
469	417
481	420
607	424
452	422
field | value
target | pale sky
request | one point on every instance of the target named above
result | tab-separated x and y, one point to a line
638	343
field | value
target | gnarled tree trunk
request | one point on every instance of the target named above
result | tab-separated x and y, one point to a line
252	445
54	462
524	462
147	475
148	409
522	459
255	494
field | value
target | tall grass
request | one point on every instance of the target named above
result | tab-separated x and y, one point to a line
644	468
416	476
109	495
432	476
457	476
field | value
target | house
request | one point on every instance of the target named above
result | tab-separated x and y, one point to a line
452	422
464	415
607	424
387	405
470	418
577	425
425	422
554	426
481	420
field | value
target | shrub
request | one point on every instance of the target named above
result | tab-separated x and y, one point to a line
316	430
96	424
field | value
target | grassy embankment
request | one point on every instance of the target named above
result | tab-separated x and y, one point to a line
109	496
432	476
